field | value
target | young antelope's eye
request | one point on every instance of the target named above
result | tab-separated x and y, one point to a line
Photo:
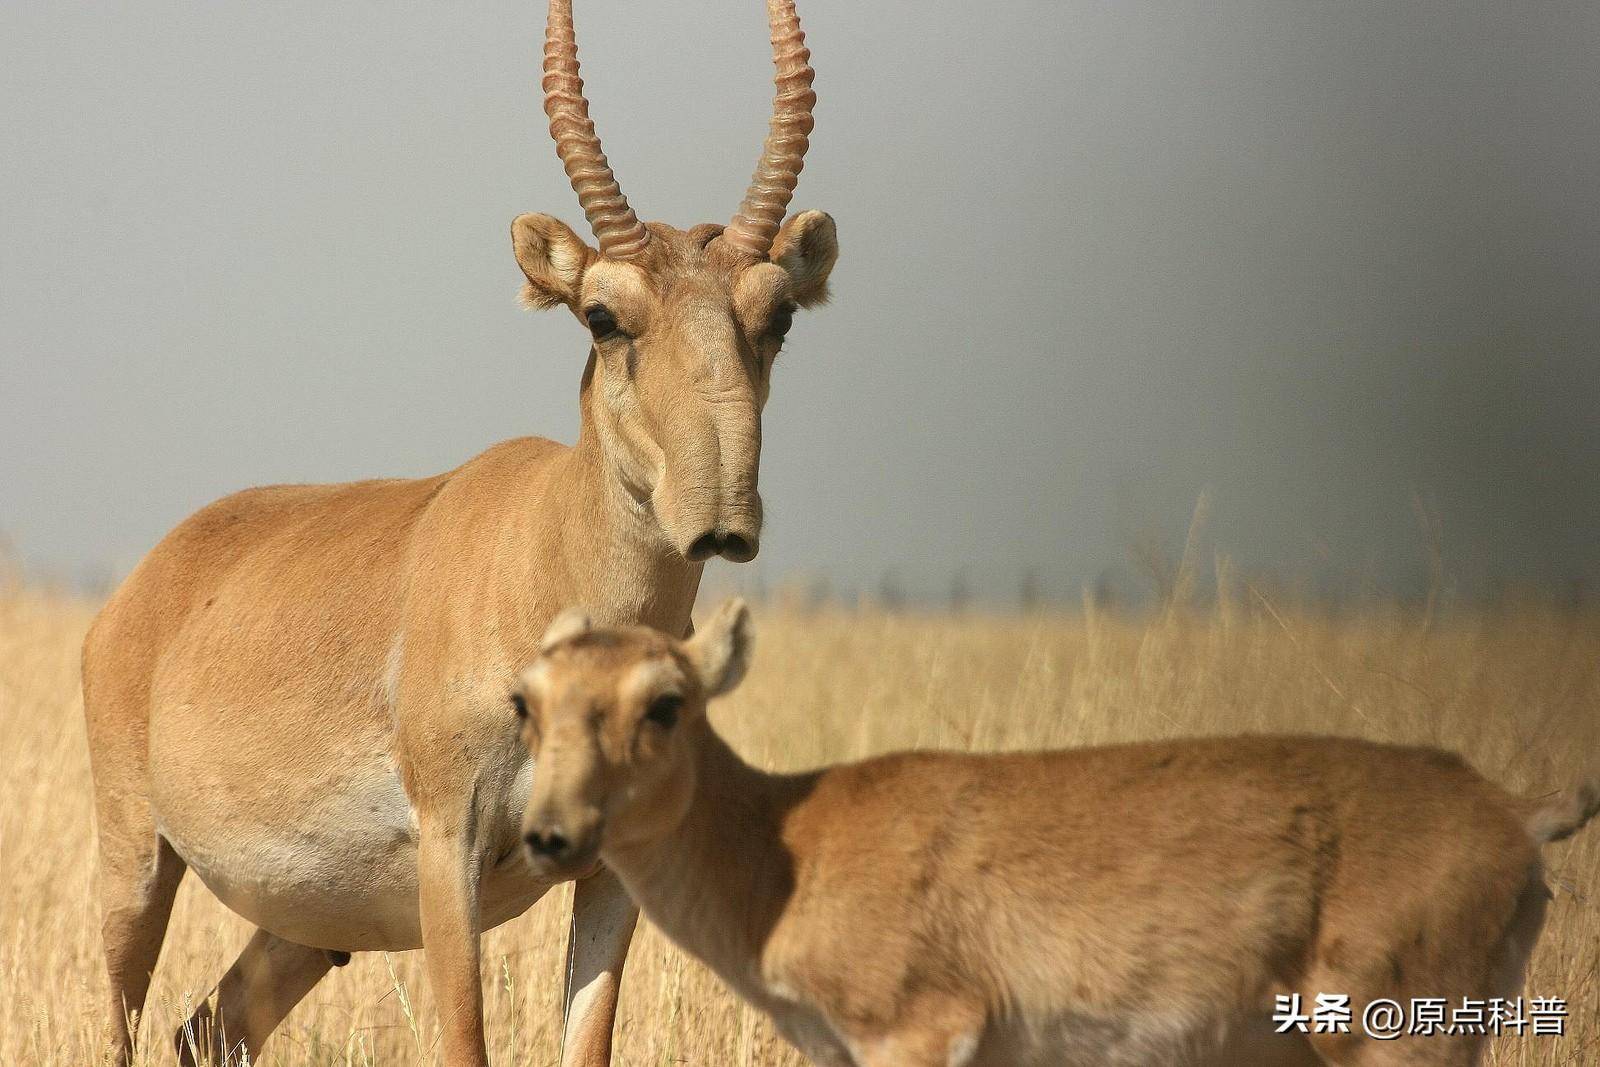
601	322
663	710
519	705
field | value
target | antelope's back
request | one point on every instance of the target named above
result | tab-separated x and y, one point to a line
257	608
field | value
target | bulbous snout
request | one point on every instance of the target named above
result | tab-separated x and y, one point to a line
706	498
731	545
718	521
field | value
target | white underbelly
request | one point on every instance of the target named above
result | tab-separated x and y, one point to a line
327	860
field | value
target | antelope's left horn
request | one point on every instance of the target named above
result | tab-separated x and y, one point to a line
616	227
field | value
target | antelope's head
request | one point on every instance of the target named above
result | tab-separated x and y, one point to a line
614	719
686	324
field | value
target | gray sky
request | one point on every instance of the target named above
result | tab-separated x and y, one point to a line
1314	258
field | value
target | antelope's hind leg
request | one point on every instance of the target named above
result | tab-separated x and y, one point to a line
1492	967
139	871
264	984
139	878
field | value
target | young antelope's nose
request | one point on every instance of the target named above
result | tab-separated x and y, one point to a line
548	842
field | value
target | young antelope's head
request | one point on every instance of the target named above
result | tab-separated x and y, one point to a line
612	718
685	324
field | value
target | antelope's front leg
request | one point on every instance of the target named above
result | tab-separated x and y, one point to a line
603	918
448	873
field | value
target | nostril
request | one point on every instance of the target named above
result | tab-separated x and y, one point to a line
705	546
547	842
738	549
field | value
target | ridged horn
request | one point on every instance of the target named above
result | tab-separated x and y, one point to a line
616	227
756	223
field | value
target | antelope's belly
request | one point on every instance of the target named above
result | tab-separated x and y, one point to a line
307	831
321	856
350	888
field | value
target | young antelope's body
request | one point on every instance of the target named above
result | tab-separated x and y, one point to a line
1129	905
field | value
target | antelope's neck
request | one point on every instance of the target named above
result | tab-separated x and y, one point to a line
718	883
615	555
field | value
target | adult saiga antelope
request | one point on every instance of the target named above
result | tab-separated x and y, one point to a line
300	693
1121	906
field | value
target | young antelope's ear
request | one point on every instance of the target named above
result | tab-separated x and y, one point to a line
807	247
721	651
554	259
568	624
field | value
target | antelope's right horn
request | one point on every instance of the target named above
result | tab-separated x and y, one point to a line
616	227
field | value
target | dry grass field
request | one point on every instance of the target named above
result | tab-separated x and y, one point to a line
1517	691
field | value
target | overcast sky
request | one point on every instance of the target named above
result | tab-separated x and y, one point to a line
1313	259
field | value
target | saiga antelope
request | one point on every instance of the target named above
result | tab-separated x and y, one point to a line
1123	906
299	693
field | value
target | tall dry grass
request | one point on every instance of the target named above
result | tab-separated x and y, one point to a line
1518	692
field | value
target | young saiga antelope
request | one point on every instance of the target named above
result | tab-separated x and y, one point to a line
1129	905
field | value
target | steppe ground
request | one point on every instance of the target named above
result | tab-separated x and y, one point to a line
1516	690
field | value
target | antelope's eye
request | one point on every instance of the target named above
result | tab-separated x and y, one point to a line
781	320
663	710
601	322
519	705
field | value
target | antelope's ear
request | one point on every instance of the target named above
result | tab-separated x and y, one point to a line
554	259
807	247
721	651
568	624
